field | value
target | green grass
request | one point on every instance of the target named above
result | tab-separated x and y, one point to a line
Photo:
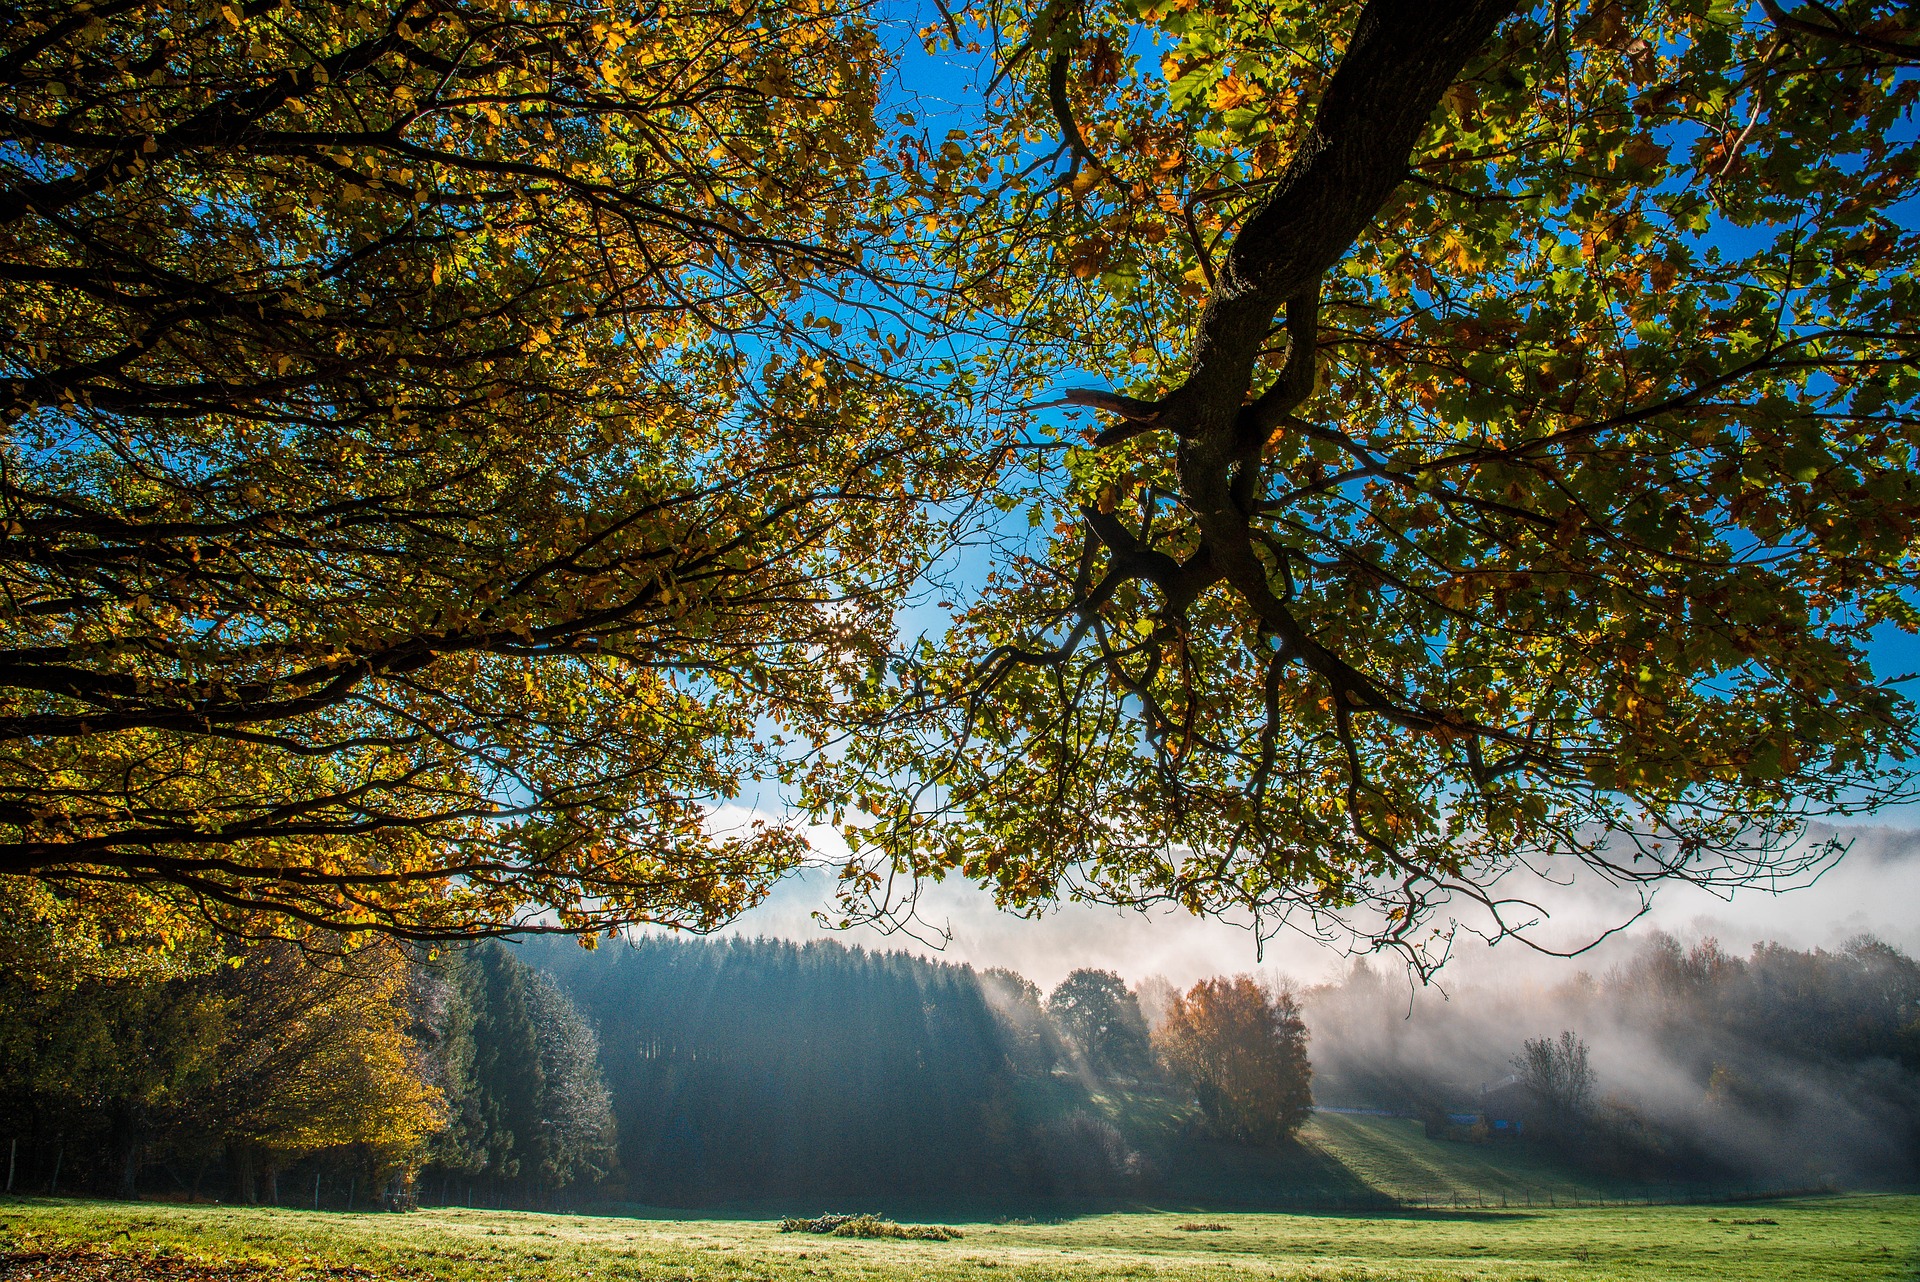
1825	1239
1393	1156
1346	1161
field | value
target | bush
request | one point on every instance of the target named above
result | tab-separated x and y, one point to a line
1085	1154
869	1226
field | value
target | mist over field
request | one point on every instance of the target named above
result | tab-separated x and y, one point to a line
1726	1032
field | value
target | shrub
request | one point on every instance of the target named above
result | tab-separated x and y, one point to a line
869	1226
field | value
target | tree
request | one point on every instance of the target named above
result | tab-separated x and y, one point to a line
277	1054
576	1138
1033	1042
1096	1013
529	1105
1155	994
445	460
319	1054
1509	459
434	473
1557	1072
1243	1052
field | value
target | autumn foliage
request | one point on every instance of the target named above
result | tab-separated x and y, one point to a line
1502	452
271	1056
431	483
455	447
1243	1052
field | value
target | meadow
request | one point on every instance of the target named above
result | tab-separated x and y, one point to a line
1837	1238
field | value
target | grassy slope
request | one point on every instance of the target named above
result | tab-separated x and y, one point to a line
1348	1160
1394	1156
1838	1239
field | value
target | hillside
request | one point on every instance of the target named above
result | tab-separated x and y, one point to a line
1343	1160
1394	1157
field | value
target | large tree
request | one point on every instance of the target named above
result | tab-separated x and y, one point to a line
1101	1018
444	459
1510	455
434	473
1243	1053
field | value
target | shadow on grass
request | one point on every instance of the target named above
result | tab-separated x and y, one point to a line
1023	1211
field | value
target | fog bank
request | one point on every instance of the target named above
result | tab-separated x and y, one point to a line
1871	890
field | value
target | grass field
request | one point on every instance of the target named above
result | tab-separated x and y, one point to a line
1827	1239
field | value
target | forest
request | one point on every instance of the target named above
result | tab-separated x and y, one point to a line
301	1076
682	1072
1798	1065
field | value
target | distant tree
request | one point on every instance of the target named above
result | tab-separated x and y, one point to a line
1155	994
530	1107
575	1140
1033	1043
1557	1072
1011	986
1243	1051
1094	1010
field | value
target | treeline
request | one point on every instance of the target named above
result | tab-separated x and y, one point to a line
684	1072
750	1068
670	1071
1684	1060
318	1074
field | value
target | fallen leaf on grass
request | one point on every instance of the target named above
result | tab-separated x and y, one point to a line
84	1262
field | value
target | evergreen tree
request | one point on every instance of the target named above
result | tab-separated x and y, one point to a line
574	1142
530	1107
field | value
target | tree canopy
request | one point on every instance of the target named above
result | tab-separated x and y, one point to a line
434	475
1508	461
454	446
1243	1052
1102	1019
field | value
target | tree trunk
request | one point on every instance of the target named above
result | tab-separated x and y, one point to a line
240	1158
